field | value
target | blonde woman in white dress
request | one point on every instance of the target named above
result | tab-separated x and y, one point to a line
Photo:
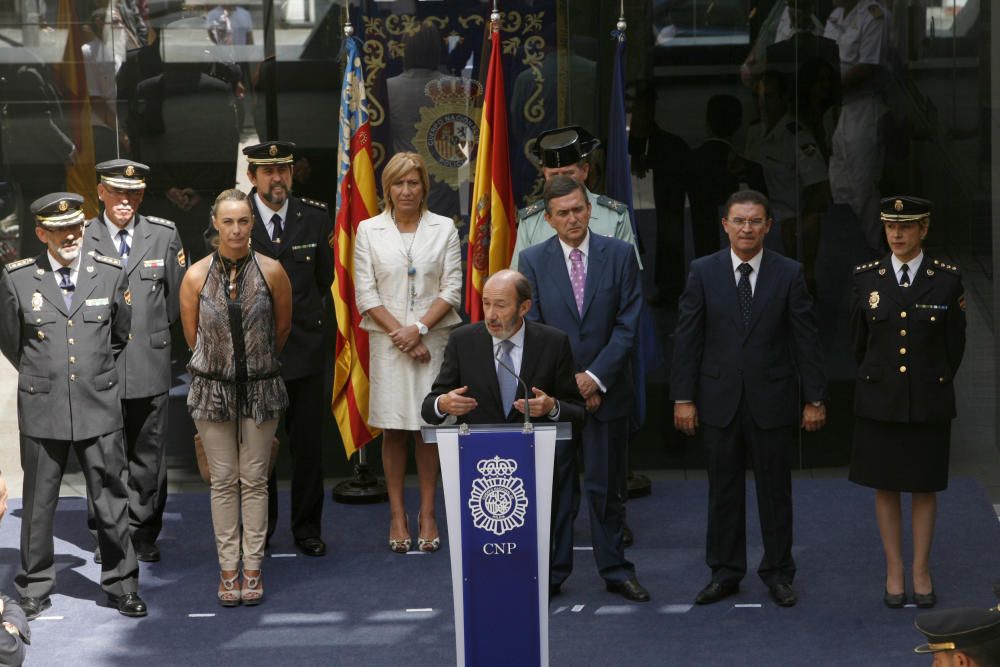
408	285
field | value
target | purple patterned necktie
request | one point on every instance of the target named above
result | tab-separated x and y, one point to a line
577	277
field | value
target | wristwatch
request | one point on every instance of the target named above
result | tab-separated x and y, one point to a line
554	412
421	328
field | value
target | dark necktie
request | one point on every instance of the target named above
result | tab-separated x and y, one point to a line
123	247
66	285
276	228
745	292
508	383
904	277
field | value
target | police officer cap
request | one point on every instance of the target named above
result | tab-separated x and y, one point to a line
58	210
903	208
123	174
564	146
958	629
270	152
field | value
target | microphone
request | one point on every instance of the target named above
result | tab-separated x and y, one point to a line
524	385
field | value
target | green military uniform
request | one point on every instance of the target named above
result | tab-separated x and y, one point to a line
608	217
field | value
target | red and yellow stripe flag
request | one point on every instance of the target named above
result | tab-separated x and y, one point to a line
356	201
492	232
71	76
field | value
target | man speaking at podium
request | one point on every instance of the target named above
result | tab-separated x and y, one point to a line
475	384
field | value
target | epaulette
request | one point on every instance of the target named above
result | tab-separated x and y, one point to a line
865	267
104	259
161	221
531	209
949	268
20	264
613	204
315	203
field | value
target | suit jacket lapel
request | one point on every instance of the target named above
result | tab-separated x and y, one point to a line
140	244
529	357
259	234
560	274
729	292
596	266
766	282
920	282
483	354
99	239
85	284
47	284
293	225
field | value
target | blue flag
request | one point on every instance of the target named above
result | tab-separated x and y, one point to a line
618	184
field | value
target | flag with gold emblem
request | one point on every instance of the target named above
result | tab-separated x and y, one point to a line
492	231
356	201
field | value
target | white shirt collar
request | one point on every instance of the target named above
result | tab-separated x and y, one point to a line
74	266
913	265
113	229
753	261
517	338
584	247
265	210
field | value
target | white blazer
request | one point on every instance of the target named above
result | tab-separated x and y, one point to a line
380	276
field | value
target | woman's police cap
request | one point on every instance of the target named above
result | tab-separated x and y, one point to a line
957	629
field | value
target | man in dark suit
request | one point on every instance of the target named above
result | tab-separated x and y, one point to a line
154	261
64	320
587	285
473	387
746	340
296	232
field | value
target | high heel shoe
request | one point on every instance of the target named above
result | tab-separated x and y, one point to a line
400	546
925	600
253	590
427	546
229	592
894	601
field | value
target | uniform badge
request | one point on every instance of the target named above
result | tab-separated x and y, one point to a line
930	272
272	151
130	171
181	259
64	205
873	299
881	271
498	501
128	297
36	301
40	272
90	269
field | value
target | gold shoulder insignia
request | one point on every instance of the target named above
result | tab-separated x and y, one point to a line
113	261
531	209
315	203
865	267
947	268
876	11
613	204
160	221
20	264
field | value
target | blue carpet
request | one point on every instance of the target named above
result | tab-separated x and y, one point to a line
362	605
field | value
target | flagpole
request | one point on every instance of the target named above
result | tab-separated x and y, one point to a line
364	488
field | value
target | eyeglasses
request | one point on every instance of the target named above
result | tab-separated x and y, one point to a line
740	222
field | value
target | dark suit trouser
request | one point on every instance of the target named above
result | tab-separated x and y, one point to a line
304	425
146	456
725	456
603	446
102	460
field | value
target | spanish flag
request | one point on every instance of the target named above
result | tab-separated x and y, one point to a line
356	201
71	75
492	232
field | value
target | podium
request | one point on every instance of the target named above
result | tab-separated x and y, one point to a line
497	481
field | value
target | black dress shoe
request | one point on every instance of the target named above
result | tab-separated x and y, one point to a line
715	592
894	601
311	546
129	604
630	589
97	555
147	552
925	600
628	537
33	607
784	595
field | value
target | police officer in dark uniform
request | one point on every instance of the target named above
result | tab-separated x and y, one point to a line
64	320
154	261
966	637
908	324
296	232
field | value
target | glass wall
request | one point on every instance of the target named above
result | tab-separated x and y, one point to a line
824	105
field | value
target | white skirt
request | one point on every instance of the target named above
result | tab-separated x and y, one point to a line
398	383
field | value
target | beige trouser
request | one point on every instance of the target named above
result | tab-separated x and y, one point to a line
239	481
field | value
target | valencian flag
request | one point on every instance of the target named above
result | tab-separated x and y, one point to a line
356	201
71	75
492	232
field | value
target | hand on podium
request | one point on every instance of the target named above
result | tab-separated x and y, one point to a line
539	406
